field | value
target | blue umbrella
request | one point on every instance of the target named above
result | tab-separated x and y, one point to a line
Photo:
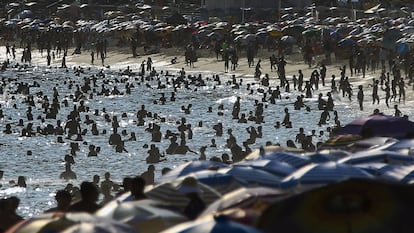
221	182
294	160
275	167
189	167
375	169
402	48
346	41
404	174
404	145
327	155
378	156
252	176
216	224
321	174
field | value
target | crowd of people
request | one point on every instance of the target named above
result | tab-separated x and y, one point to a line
392	77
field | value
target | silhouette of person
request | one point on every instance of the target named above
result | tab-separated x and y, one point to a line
89	197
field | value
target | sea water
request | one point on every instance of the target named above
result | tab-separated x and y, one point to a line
43	167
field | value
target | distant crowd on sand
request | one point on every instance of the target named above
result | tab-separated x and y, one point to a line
389	87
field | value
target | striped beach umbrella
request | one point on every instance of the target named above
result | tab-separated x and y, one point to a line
378	156
169	193
404	174
252	176
322	174
245	197
190	167
275	167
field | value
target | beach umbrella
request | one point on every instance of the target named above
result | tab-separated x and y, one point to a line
312	33
190	167
214	35
376	168
250	37
100	227
403	174
379	125
212	224
354	205
169	193
293	30
251	176
146	216
274	32
327	155
223	183
322	174
403	146
389	157
402	48
275	167
277	154
370	143
262	35
245	198
50	222
288	39
340	141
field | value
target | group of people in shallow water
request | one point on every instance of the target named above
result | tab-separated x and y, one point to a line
86	197
74	129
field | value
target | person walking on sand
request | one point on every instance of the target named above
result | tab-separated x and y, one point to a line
360	97
374	86
92	57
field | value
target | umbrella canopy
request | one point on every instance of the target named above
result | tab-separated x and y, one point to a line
378	156
190	167
288	39
168	193
221	182
293	160
145	215
375	169
403	146
259	153
340	141
355	205
327	155
379	125
371	143
100	227
321	174
244	198
252	176
212	224
404	174
51	222
275	167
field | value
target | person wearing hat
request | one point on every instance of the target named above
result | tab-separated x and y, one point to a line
189	186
